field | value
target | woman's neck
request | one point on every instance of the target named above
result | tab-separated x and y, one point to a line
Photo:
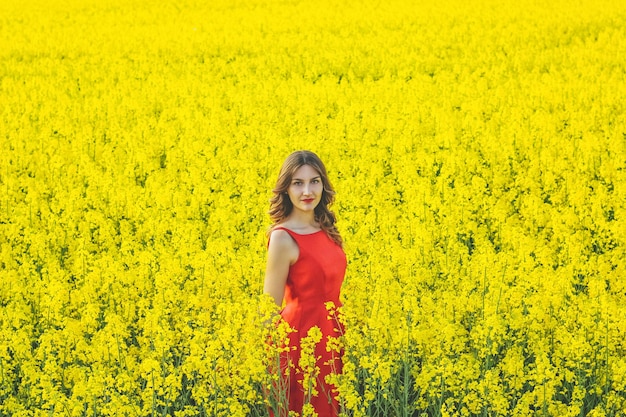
304	221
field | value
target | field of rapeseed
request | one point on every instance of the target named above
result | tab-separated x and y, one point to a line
478	149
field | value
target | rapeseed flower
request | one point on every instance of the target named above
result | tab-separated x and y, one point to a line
479	161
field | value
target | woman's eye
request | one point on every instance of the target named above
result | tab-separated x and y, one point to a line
315	181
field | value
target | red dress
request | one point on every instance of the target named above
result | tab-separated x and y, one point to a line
313	280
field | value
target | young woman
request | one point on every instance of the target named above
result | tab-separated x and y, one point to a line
305	269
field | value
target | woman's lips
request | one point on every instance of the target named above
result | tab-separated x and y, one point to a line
309	200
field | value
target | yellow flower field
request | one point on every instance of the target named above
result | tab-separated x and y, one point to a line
478	150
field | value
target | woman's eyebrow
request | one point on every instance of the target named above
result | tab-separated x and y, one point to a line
300	179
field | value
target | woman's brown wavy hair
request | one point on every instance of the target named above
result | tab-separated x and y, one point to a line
281	206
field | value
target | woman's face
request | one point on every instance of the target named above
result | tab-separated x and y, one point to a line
305	190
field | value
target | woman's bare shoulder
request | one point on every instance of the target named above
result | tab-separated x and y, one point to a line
283	246
280	237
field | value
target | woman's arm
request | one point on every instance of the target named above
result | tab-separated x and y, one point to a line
281	253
